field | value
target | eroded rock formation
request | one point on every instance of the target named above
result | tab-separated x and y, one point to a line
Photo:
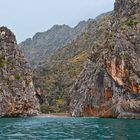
17	95
109	85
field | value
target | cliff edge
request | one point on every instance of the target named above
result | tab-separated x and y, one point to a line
109	85
17	95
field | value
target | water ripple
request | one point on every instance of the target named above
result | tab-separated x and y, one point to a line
68	129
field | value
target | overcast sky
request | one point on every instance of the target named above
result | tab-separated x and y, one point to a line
26	17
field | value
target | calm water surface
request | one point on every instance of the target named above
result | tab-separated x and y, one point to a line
68	129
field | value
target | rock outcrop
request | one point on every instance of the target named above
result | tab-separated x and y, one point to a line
17	95
109	85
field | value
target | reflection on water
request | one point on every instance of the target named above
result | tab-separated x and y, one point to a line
68	129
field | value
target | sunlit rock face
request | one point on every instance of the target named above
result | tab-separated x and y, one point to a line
109	85
17	95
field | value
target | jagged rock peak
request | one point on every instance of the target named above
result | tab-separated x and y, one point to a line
6	35
126	7
17	94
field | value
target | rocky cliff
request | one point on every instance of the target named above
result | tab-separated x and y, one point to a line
17	95
109	85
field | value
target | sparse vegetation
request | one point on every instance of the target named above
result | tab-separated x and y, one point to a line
132	22
56	77
17	77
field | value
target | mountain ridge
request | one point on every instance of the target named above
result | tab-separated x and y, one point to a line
44	44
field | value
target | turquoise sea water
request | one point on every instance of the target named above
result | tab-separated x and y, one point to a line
69	129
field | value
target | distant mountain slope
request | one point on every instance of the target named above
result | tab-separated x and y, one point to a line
56	76
44	44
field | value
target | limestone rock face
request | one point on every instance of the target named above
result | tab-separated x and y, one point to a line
126	7
109	85
17	95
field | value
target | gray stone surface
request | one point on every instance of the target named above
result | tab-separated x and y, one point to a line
109	85
17	95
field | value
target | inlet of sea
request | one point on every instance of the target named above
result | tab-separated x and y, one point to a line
68	128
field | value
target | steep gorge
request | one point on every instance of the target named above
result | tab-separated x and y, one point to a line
54	78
